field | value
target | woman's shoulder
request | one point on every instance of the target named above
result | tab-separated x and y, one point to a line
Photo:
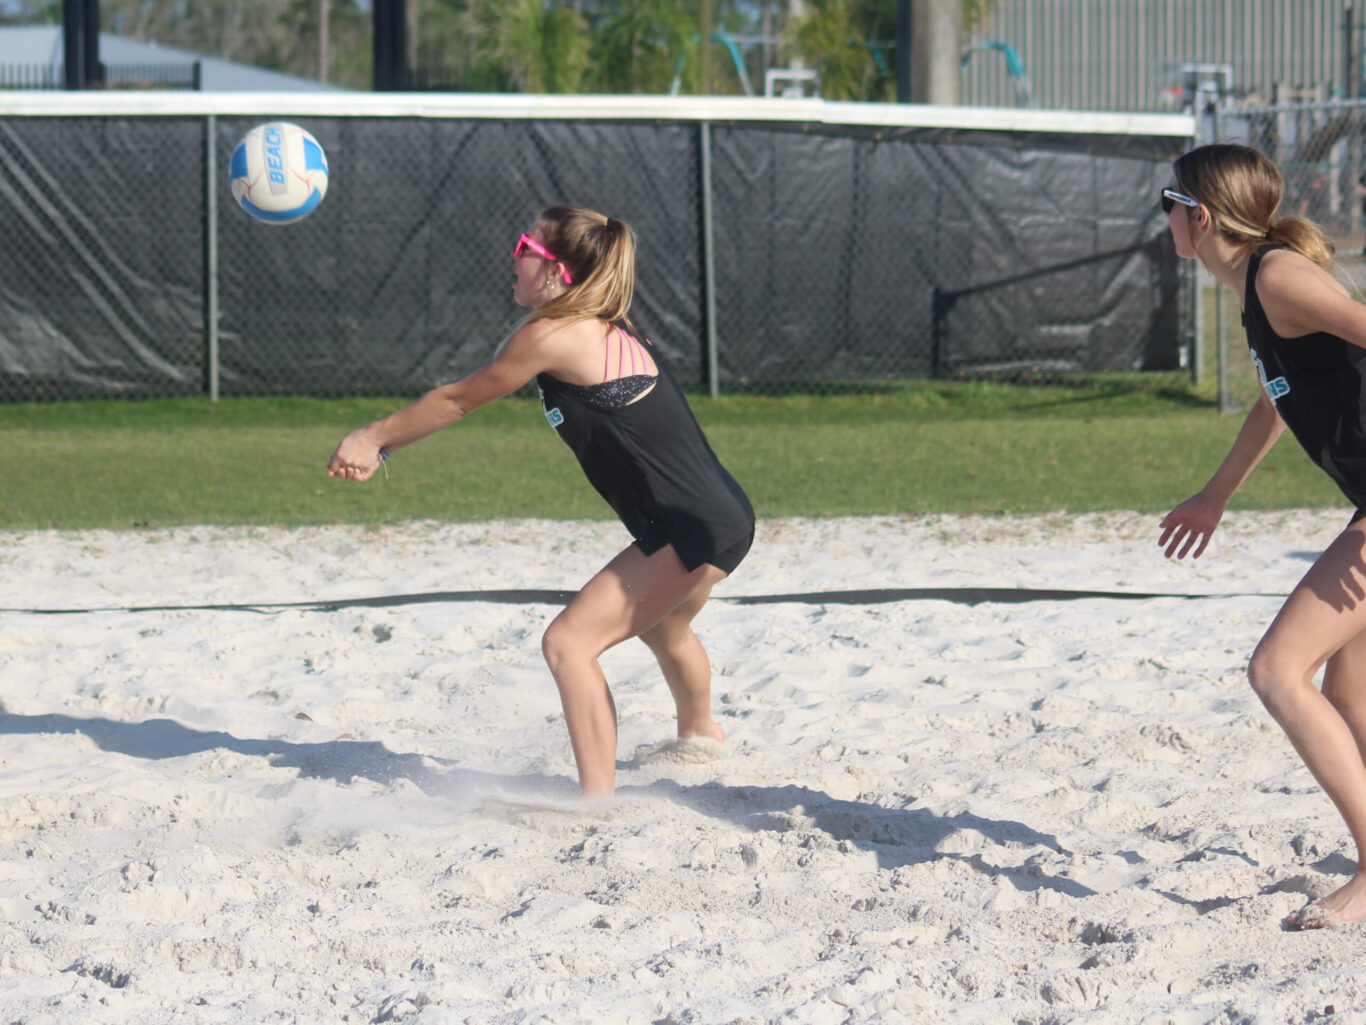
1288	275
555	332
1283	256
1299	298
566	327
568	348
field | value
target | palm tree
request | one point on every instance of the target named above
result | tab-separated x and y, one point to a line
637	45
845	41
458	47
833	37
544	46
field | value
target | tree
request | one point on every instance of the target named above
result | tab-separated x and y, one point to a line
638	45
32	12
544	46
850	43
620	46
847	42
976	13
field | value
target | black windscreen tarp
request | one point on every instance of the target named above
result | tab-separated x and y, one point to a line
846	256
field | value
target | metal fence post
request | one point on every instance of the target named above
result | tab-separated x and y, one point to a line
211	252
708	265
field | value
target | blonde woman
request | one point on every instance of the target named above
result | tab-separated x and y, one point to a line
611	398
1308	341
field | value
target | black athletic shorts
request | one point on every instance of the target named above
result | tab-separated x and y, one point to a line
727	559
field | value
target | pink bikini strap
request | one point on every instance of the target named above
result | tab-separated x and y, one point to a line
625	342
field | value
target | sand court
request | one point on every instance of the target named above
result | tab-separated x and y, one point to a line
977	769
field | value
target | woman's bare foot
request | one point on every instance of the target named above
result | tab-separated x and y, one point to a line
1347	904
1314	916
707	729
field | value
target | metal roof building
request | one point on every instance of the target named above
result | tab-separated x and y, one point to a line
1157	54
31	56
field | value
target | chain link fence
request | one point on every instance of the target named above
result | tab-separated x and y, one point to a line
1321	151
773	257
403	278
101	274
859	262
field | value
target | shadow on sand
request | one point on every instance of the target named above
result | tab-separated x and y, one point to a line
896	836
339	760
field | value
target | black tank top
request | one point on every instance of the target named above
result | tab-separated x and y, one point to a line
1318	385
651	462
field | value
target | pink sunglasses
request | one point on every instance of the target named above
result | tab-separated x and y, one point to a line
527	242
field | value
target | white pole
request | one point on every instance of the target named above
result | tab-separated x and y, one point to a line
936	52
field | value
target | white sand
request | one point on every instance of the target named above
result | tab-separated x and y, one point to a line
1057	810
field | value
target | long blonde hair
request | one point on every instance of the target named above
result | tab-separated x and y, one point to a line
600	254
1242	189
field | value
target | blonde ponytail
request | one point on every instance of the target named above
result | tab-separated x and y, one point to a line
1304	237
600	255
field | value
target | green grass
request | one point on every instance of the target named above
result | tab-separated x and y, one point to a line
923	448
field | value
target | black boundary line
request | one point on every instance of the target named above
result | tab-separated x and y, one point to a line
864	596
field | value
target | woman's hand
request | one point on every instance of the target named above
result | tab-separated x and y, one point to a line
356	458
1190	524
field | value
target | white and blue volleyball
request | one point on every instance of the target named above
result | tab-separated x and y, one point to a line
279	173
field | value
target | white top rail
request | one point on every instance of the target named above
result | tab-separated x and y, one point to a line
24	103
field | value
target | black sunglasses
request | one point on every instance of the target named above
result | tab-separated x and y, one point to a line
1170	197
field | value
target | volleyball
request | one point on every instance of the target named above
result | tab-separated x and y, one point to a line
279	173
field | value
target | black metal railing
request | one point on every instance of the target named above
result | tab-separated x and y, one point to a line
185	76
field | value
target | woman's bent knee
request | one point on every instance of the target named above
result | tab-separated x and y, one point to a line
557	645
563	644
1272	679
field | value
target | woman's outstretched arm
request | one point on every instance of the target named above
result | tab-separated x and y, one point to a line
522	358
1192	522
